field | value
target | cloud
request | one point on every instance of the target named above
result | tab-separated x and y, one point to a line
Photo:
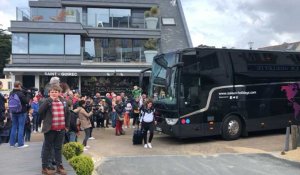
283	15
8	11
230	23
5	23
236	23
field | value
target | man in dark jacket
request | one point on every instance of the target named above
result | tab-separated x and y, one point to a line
18	119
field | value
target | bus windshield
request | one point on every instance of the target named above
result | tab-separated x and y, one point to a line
162	80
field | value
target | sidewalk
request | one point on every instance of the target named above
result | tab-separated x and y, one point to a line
25	161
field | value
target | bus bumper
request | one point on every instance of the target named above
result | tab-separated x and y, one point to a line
172	130
189	131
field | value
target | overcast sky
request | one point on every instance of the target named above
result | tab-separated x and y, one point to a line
229	23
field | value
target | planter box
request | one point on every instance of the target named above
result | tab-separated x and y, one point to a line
151	22
71	19
149	55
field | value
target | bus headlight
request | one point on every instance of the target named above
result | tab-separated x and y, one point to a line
171	121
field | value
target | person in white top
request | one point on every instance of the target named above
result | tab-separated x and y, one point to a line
148	122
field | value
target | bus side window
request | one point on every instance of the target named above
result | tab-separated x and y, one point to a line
191	92
194	94
182	90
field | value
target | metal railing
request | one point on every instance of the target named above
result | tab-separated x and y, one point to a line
89	20
111	55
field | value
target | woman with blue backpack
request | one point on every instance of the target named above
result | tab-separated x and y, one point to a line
17	104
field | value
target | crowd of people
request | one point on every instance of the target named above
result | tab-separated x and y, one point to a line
61	113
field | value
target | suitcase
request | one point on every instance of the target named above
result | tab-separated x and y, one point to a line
137	138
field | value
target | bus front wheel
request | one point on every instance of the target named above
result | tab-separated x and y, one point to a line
231	128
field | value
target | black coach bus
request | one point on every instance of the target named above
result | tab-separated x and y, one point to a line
229	92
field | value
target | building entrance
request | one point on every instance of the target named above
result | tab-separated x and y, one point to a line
73	82
116	84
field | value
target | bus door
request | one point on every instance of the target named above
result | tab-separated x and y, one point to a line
190	84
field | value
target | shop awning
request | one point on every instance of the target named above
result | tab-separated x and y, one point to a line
73	71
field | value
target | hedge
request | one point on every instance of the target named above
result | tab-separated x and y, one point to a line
72	149
83	165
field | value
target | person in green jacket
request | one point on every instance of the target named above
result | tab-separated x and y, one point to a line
136	92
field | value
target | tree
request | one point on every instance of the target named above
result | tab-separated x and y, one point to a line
5	50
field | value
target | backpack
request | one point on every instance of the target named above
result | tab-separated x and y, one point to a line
14	103
73	121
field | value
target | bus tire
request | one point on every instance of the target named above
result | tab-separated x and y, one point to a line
231	128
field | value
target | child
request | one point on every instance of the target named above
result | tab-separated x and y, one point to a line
5	125
136	92
55	114
136	113
128	109
28	125
35	114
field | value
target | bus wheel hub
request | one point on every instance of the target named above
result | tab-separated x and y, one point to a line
233	127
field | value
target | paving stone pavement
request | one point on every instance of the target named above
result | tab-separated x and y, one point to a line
220	164
25	161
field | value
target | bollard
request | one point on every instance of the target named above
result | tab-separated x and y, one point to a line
287	138
294	132
298	136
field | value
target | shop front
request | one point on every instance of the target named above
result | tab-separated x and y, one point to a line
107	84
86	81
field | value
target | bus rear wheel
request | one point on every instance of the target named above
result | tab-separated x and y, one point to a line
231	128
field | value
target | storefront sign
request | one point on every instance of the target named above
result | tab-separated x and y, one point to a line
64	74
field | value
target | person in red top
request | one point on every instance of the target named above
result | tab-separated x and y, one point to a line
55	114
39	96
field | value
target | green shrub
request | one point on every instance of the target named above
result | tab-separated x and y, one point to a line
152	12
147	13
72	149
83	165
151	44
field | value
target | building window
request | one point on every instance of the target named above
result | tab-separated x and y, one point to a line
73	14
138	18
120	18
47	14
72	44
20	43
113	50
46	44
98	17
105	17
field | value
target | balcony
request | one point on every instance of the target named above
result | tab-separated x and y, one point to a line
95	20
113	55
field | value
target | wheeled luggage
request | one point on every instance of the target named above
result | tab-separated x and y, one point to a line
137	138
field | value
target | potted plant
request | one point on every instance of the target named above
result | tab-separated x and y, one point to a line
151	17
150	49
70	15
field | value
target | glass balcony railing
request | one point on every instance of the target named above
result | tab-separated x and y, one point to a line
86	19
106	55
